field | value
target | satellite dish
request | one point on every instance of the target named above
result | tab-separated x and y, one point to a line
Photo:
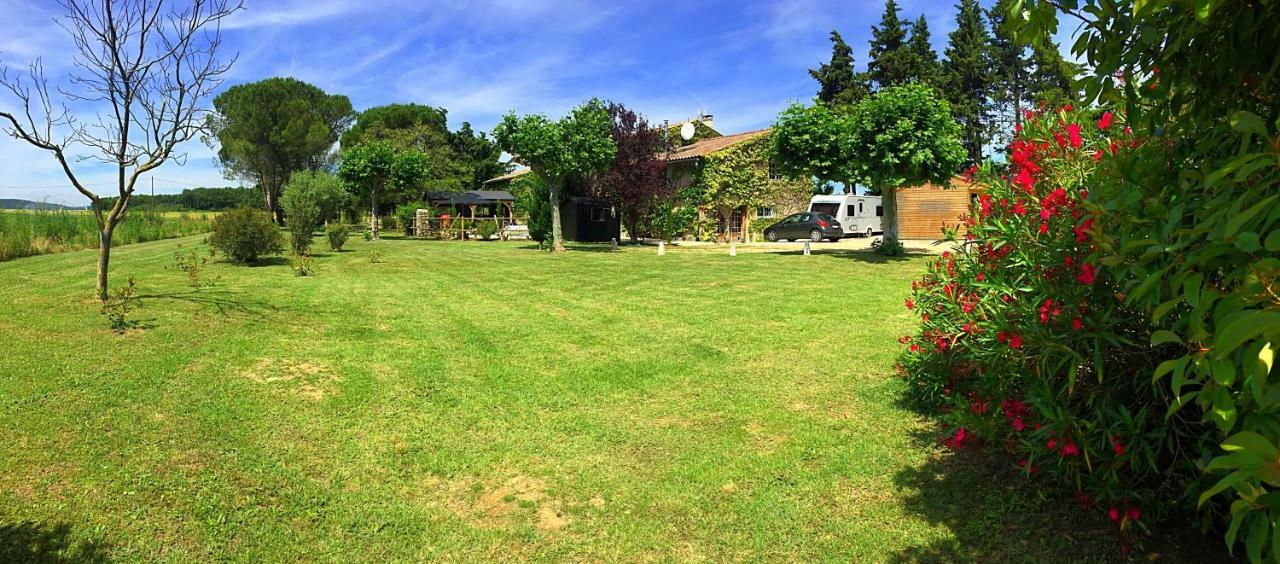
687	130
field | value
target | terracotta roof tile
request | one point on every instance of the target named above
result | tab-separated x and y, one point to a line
705	147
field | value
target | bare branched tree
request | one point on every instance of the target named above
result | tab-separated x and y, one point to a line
150	65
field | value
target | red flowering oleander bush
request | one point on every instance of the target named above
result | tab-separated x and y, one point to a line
1026	341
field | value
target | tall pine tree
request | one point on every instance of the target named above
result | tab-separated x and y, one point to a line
838	84
1010	74
1052	78
921	62
887	65
967	78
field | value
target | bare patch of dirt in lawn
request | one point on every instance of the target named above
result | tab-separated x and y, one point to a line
502	503
766	443
307	380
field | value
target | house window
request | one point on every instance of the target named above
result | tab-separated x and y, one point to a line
774	173
764	213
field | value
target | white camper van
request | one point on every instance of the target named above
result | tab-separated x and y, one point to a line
859	215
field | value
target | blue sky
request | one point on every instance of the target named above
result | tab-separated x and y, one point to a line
742	61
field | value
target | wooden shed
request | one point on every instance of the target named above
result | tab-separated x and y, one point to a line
923	211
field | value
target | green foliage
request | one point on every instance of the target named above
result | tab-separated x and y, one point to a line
889	57
815	141
379	170
486	229
905	136
310	198
578	144
458	160
302	265
532	202
192	263
733	176
838	84
193	199
119	303
245	234
967	78
407	214
920	64
670	220
1190	227
574	147
337	234
269	129
1029	343
27	233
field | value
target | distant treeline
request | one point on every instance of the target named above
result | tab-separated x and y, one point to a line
195	199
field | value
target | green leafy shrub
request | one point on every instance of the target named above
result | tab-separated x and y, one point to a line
310	198
337	234
193	263
120	301
375	256
388	222
407	215
485	230
245	234
302	265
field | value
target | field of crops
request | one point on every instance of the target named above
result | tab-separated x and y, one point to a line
27	233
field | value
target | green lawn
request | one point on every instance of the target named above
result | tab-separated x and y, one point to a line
464	400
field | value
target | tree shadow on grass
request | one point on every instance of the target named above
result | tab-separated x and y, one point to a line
221	301
860	255
38	542
997	514
268	261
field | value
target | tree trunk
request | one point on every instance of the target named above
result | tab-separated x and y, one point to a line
889	223
373	215
104	259
633	222
557	236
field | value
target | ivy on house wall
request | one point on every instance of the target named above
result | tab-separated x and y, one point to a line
739	176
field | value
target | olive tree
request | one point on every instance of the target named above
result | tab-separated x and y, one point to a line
150	67
577	145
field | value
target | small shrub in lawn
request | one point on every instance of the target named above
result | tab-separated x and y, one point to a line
367	236
485	230
193	263
245	234
302	265
375	256
337	234
120	301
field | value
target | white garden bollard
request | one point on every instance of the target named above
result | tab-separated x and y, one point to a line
662	248
733	248
806	248
613	244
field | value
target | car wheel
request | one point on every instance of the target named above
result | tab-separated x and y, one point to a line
868	232
771	236
815	236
